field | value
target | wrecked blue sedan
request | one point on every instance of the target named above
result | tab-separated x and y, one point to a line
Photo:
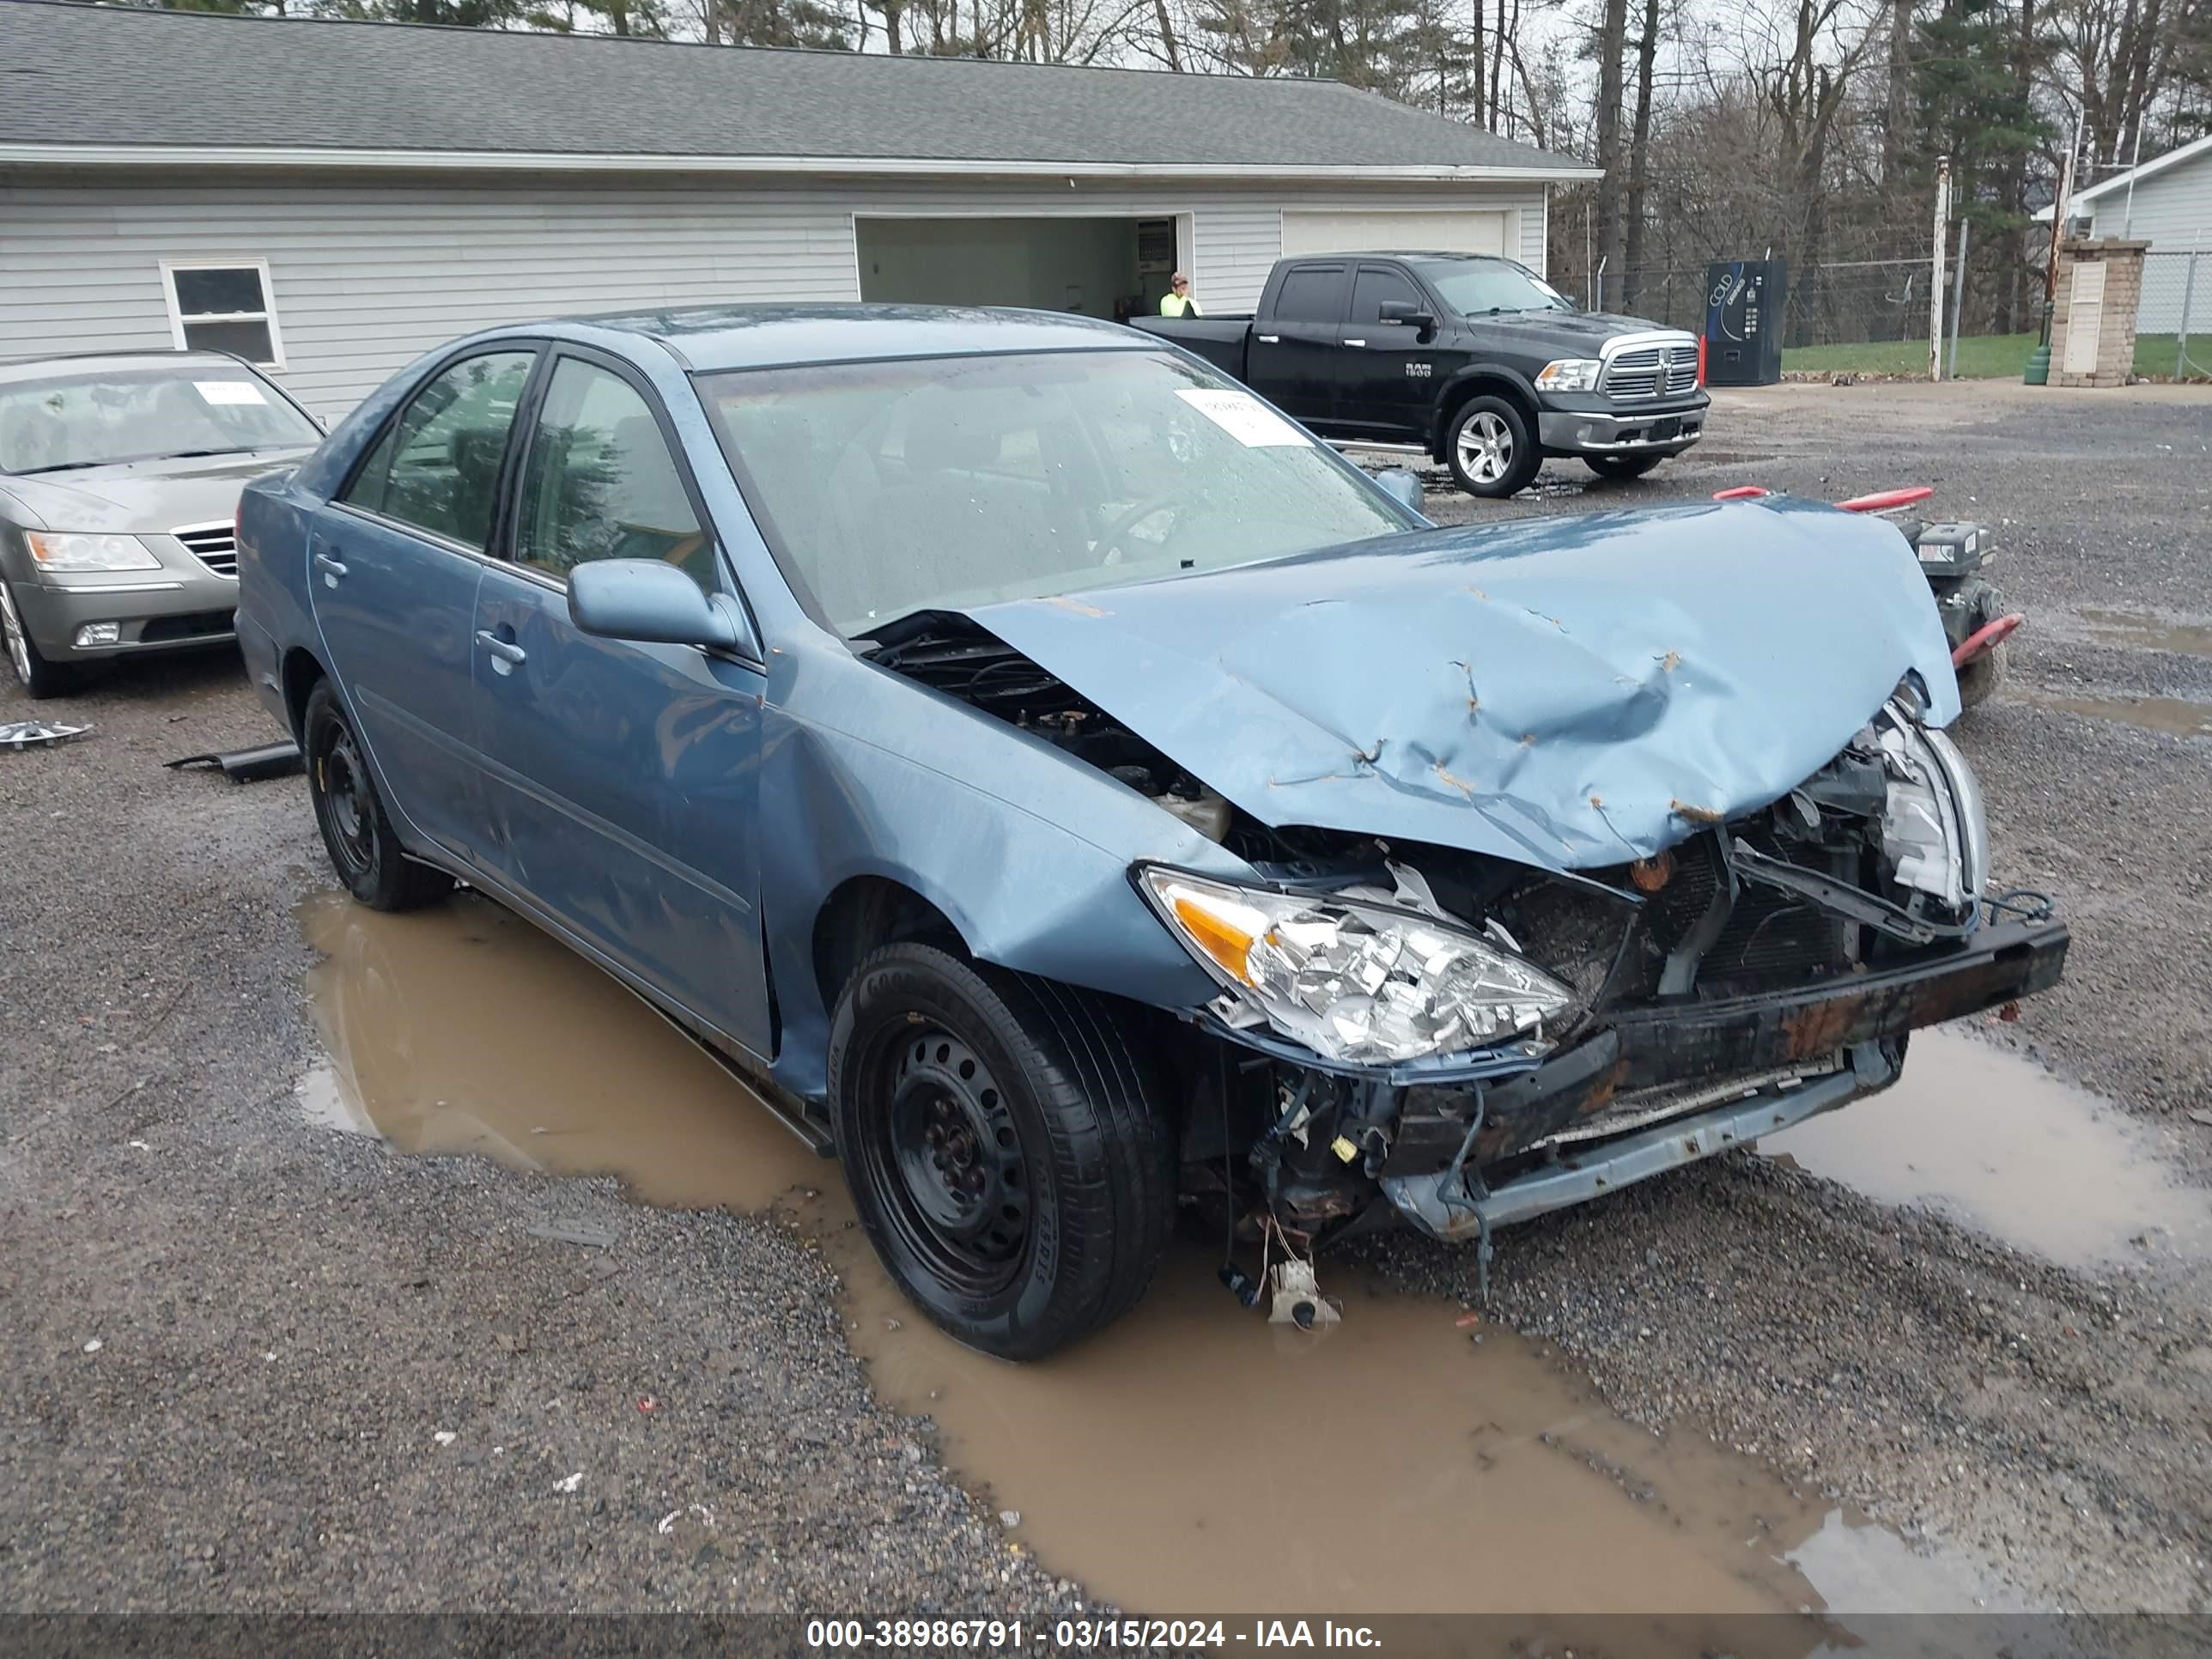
1068	791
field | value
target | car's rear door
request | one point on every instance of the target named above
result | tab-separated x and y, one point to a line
620	778
1292	359
393	562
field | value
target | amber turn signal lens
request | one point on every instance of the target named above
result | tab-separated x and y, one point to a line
1651	874
1227	945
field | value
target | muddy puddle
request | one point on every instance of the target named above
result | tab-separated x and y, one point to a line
2176	716
1996	1142
2149	631
1192	1458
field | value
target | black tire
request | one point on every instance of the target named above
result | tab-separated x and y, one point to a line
1491	448
356	833
1005	1145
1979	679
38	677
1621	468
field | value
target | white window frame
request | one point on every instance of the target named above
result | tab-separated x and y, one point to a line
267	314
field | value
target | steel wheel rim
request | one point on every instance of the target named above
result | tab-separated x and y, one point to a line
948	1162
1486	447
344	787
19	643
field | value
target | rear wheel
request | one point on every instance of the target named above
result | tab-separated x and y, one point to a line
1491	449
1978	680
1621	467
1006	1147
356	833
37	677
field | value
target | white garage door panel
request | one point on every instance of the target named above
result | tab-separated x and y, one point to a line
1448	232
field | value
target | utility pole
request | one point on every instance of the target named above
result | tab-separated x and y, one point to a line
1935	282
1959	295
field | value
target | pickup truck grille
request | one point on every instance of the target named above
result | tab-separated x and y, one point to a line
214	545
1652	372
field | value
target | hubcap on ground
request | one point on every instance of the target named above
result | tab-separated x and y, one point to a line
957	1158
19	643
1486	447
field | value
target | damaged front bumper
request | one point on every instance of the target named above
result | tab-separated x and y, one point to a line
1639	1097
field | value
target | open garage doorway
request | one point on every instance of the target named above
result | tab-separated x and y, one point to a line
1096	267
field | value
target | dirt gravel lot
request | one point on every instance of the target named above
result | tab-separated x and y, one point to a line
285	1316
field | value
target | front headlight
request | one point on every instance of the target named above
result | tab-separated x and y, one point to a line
1354	979
1570	374
1934	829
64	550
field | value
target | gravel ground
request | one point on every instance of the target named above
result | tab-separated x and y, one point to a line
285	1316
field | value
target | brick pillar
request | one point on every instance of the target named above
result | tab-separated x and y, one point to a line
2121	265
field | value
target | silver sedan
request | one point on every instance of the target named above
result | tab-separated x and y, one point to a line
119	477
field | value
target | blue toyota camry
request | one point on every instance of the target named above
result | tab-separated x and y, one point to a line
1067	790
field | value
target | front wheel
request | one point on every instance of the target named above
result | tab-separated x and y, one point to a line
37	677
356	833
1008	1150
1490	449
1621	468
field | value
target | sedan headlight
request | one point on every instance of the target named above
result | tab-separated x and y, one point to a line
1354	979
1570	374
63	550
1934	828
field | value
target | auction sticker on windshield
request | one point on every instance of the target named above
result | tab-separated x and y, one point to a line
228	392
1243	417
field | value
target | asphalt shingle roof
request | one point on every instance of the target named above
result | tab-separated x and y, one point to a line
86	75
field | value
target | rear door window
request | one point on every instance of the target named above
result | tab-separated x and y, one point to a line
1312	294
436	468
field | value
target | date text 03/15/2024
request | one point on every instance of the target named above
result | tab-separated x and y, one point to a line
1082	1634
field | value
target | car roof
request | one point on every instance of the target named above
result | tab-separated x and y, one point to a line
709	339
14	370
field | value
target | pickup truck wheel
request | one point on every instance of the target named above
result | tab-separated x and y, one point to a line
1622	467
356	833
1491	450
1008	1148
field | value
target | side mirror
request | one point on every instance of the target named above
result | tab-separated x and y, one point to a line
653	603
1407	314
1402	486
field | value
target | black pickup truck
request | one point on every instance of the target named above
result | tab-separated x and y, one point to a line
1472	359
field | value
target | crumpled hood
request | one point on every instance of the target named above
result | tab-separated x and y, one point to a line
1569	694
144	497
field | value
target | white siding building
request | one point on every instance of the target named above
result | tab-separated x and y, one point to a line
2170	207
334	199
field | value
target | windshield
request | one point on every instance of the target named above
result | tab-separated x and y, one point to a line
889	488
98	417
1473	287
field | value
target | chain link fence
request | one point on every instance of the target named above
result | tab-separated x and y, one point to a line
2174	324
1846	303
1871	315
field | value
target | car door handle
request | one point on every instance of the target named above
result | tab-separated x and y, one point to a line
506	650
1355	342
329	566
1271	339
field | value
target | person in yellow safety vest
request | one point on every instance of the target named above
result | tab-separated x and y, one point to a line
1176	301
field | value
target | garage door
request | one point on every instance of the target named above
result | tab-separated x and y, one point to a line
1443	232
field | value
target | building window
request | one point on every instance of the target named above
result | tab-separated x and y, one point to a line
224	307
